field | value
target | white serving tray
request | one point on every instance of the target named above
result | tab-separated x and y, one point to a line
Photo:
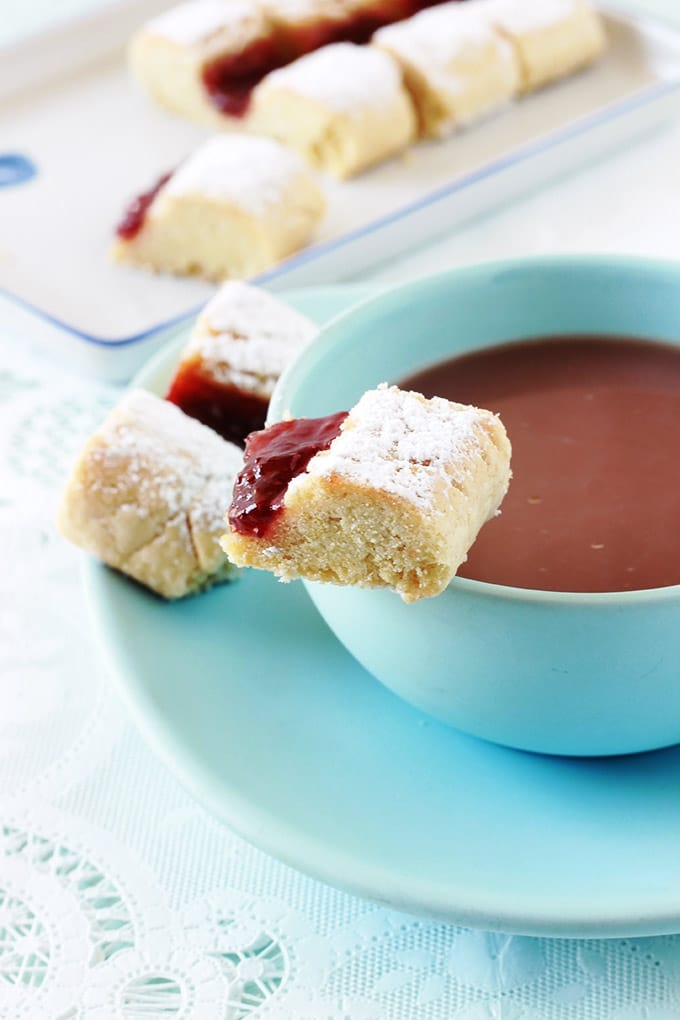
68	105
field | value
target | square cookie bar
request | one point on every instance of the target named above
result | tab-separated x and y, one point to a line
202	58
147	496
551	39
241	343
456	65
391	494
343	107
235	207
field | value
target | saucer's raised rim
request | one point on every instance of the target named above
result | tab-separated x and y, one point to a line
557	917
331	335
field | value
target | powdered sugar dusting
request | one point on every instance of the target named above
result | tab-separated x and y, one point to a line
342	76
168	462
247	171
451	45
247	337
519	16
399	442
198	20
443	33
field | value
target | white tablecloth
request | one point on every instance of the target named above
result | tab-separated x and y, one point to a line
119	896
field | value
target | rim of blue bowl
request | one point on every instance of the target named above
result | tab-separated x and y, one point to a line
331	334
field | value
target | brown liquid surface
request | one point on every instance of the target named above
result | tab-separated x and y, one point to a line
594	503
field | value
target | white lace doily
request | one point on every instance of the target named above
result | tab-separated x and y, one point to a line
121	899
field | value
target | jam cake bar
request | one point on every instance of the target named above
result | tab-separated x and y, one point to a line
391	494
343	107
242	341
456	66
147	496
235	207
202	58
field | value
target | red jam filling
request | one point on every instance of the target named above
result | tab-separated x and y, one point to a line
135	214
229	411
305	38
355	28
272	459
230	80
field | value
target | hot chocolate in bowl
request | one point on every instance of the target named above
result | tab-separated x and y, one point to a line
561	633
594	504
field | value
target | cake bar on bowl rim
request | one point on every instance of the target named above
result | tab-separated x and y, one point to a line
391	494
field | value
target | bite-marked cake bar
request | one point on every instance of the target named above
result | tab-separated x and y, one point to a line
241	343
456	66
147	496
343	107
551	39
235	207
202	58
391	494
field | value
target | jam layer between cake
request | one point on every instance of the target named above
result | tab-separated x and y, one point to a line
272	459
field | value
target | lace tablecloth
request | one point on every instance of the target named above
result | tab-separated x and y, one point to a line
121	899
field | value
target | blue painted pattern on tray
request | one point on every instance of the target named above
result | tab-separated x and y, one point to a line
15	169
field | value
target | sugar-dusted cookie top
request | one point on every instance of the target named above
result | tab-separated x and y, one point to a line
341	77
456	64
246	171
147	496
551	39
400	442
152	456
520	16
448	42
197	21
245	332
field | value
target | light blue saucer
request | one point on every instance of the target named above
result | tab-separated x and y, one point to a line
262	714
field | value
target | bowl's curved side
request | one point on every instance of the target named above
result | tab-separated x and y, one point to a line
555	676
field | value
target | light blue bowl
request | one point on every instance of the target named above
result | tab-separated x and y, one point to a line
562	673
